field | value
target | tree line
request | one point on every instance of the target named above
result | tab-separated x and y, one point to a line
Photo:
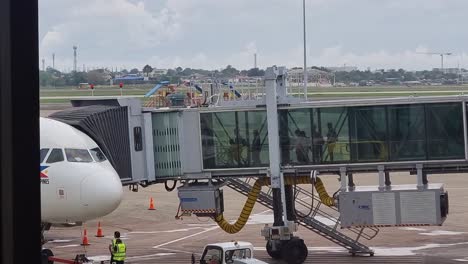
53	77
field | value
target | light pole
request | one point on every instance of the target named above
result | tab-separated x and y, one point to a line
305	60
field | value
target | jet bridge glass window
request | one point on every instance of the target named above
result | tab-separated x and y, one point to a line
444	126
314	136
407	132
55	156
334	129
368	133
78	155
97	154
138	138
43	153
234	139
295	131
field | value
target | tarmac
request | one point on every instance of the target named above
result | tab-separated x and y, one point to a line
158	237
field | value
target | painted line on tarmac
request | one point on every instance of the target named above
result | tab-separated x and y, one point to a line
60	241
201	224
149	256
165	231
442	233
183	238
180	251
67	246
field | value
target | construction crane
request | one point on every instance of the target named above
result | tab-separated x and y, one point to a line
441	54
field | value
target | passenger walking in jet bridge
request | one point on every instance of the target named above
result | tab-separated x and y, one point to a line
113	243
317	145
302	147
332	137
256	148
238	143
119	252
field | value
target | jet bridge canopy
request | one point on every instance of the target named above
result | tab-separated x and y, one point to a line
119	127
336	135
108	126
328	136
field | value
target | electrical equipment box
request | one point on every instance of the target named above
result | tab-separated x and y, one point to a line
279	232
400	205
201	199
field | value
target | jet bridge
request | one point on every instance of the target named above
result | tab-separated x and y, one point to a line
351	136
273	135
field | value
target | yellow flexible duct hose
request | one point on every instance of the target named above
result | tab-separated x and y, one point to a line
249	204
245	213
253	195
324	197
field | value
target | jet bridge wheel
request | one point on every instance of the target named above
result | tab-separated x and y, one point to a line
294	251
46	253
275	254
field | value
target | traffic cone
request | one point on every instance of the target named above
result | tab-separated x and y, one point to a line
99	230
85	238
151	207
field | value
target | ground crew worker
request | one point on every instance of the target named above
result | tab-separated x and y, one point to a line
119	252
111	246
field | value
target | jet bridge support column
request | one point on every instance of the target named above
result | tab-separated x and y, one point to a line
281	242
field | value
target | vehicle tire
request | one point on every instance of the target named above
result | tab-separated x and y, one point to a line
294	251
46	253
275	254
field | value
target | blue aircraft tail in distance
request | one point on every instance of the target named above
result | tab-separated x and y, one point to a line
231	87
156	88
199	89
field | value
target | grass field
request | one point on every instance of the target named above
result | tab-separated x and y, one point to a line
48	94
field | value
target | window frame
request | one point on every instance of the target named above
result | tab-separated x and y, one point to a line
100	151
50	153
44	159
87	151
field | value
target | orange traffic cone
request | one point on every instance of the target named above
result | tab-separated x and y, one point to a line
151	207
99	230
85	238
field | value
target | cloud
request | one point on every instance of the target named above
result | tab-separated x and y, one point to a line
212	34
382	59
107	29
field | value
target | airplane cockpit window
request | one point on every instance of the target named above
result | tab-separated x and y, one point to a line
55	156
44	152
78	155
97	154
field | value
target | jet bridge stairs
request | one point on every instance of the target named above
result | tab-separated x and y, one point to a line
330	230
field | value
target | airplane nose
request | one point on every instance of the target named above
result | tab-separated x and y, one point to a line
101	193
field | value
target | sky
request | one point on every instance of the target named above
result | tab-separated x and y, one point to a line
211	34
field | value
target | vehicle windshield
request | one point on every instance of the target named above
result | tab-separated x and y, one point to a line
237	254
78	155
98	155
212	256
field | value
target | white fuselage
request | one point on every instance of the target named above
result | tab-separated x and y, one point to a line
78	183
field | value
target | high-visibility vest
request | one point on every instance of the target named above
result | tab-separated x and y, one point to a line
119	251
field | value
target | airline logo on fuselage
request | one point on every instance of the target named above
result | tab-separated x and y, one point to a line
44	176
